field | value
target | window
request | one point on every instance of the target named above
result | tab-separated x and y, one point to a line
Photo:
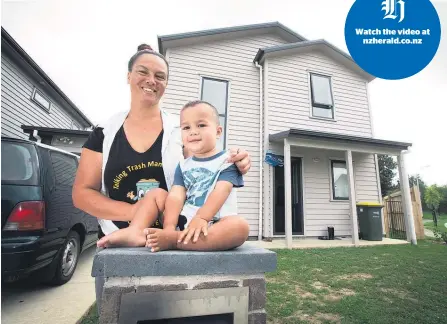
340	187
321	93
19	164
40	99
216	93
64	168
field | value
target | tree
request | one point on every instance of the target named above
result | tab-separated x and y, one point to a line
433	198
387	171
443	203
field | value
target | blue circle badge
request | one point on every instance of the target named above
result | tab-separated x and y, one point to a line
392	39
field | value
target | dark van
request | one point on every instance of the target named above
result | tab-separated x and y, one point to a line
41	229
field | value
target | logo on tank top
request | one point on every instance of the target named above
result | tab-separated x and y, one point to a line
143	187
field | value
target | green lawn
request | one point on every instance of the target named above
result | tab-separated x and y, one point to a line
382	284
442	219
427	215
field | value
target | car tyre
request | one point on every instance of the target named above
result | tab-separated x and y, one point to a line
67	259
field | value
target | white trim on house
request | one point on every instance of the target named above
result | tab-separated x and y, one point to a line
268	173
337	146
288	193
352	199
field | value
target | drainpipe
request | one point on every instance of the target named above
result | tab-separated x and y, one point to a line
261	140
39	139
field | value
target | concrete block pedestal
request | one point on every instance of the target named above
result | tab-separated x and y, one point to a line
138	286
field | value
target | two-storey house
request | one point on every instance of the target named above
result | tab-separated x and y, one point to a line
304	102
34	107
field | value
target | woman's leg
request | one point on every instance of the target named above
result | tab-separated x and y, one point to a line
146	215
228	233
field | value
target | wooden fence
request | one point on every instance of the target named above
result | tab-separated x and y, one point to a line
393	215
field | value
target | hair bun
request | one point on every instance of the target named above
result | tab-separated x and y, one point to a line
143	47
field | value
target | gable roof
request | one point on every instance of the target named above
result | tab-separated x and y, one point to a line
319	44
196	37
14	50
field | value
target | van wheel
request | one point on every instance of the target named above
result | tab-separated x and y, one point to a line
67	260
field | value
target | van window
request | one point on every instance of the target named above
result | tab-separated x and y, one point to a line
64	168
19	164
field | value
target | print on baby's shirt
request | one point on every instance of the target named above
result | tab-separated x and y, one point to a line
200	180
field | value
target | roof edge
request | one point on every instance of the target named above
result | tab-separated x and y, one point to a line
224	30
308	43
333	136
15	46
29	129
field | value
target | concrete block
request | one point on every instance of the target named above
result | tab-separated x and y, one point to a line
155	288
141	262
258	317
257	297
111	303
217	284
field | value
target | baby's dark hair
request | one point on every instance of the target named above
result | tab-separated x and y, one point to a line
145	49
198	102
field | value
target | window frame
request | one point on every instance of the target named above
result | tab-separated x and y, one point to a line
314	104
202	78
331	166
33	99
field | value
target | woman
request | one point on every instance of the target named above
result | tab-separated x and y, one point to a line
139	149
133	151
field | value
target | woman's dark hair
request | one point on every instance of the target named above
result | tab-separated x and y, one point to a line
145	49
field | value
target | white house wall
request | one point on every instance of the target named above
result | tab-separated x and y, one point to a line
18	109
289	98
320	211
230	60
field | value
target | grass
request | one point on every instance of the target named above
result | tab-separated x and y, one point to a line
380	284
91	317
383	284
442	219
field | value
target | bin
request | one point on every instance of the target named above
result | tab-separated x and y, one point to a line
370	221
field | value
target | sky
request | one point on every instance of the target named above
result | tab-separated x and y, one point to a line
84	47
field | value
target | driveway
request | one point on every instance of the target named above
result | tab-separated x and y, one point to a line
27	302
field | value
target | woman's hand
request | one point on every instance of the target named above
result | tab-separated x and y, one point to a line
241	159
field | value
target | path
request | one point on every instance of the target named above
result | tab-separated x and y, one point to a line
27	302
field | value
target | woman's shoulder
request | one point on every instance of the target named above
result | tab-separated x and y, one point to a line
95	140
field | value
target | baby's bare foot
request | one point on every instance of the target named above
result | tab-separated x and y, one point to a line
160	240
124	237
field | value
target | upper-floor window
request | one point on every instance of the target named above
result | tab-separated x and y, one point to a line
321	93
41	100
216	93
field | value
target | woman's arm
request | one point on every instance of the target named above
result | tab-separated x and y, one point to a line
86	191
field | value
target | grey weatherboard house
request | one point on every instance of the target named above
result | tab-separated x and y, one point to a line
303	100
34	107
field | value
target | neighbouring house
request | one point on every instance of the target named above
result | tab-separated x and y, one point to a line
304	101
33	107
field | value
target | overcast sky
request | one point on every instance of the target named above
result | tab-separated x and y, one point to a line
84	46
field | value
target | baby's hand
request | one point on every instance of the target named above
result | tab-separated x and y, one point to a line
195	227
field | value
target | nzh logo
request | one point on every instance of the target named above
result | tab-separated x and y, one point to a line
391	11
